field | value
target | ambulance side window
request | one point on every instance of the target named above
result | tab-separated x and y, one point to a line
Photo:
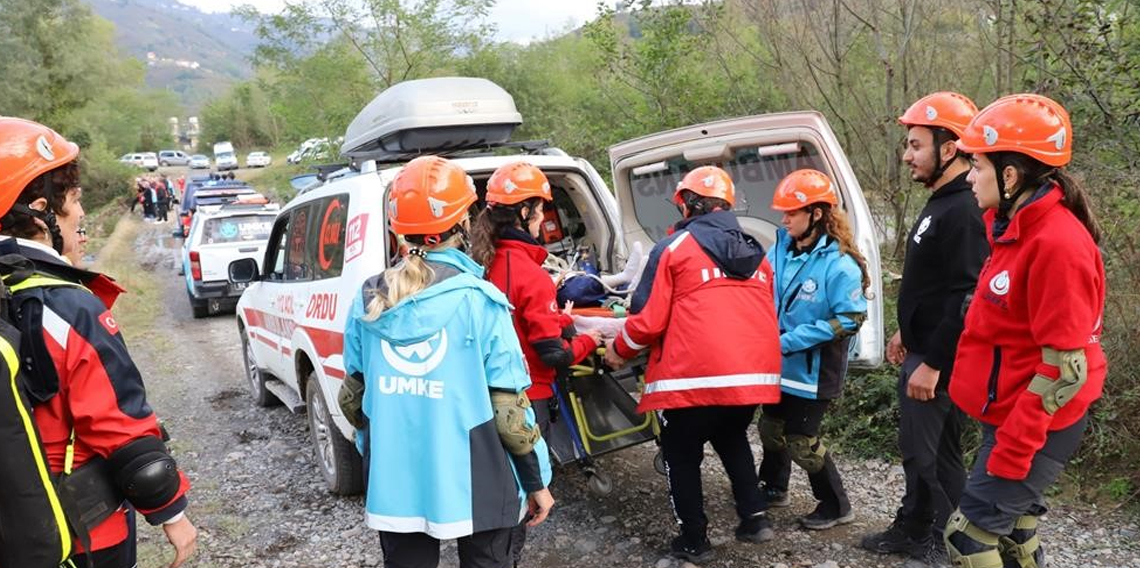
326	240
274	264
297	265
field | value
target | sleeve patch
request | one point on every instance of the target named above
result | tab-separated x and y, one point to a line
109	323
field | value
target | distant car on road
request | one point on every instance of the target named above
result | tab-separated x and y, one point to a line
199	162
173	158
146	160
150	161
224	156
258	160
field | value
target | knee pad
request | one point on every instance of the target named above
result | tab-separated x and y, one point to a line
772	433
515	430
808	452
1022	548
970	546
145	473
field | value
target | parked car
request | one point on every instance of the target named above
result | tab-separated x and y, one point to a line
218	236
224	156
150	161
333	236
173	158
145	160
204	193
132	159
199	162
258	160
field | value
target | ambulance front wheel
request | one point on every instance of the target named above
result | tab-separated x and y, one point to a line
599	484
339	462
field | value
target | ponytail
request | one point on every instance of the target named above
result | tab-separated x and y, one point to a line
1076	199
411	276
490	224
1033	173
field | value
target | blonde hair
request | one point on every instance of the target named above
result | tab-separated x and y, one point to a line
411	276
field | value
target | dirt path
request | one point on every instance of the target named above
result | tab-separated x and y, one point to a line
259	499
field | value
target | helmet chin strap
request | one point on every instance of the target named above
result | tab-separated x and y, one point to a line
48	219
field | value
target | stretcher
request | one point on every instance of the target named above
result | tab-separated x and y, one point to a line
594	412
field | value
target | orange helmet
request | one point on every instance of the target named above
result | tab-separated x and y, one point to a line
28	150
707	181
946	109
429	196
1028	124
516	182
802	188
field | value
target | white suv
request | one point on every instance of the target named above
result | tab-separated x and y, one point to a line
331	238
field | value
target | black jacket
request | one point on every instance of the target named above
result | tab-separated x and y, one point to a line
944	253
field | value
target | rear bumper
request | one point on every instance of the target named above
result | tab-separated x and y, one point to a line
215	290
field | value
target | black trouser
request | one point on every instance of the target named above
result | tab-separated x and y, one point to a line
993	503
930	439
684	432
122	555
542	418
487	549
162	207
802	417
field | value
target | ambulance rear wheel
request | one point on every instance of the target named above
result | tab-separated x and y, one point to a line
600	484
337	458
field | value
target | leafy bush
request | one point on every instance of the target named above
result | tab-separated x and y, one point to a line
104	177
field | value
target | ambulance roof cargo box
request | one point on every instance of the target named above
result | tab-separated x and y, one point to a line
432	116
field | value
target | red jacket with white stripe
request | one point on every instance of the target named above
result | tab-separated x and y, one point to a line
1043	286
100	392
705	311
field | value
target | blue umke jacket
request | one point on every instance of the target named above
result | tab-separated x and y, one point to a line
819	295
435	462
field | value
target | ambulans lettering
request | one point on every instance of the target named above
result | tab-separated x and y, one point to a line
321	306
284	304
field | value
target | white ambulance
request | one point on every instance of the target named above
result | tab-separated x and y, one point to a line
333	236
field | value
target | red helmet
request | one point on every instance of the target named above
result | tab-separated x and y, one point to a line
707	181
1029	124
946	109
28	150
802	188
516	182
429	196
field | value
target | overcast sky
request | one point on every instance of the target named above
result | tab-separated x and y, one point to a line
516	20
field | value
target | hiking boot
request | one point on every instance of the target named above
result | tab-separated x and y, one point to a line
822	518
755	529
933	555
683	548
775	497
895	540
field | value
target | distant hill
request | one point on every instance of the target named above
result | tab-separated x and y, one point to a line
195	54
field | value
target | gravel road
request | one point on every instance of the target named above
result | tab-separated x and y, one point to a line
259	500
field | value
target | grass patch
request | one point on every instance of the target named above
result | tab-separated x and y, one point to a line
273	181
140	307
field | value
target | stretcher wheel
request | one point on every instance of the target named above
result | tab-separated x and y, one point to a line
659	462
600	484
